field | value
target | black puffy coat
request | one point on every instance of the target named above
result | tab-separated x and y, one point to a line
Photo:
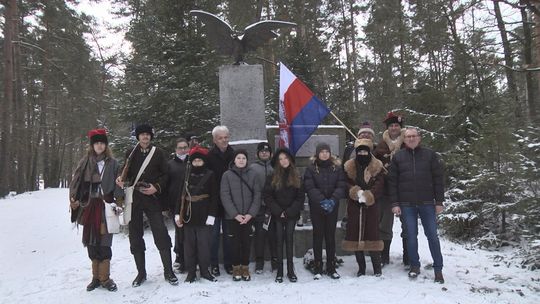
416	177
219	162
325	181
288	199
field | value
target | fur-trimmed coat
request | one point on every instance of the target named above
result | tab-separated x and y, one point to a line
365	237
324	183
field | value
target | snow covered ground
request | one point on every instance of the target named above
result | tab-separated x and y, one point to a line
42	260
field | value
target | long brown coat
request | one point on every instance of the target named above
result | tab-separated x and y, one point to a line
374	178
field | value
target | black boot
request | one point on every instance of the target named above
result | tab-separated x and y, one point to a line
178	265
331	270
405	253
205	274
141	275
279	275
385	254
317	270
191	277
376	262
361	260
168	273
228	268
290	272
215	270
259	266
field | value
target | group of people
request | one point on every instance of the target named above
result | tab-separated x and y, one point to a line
219	200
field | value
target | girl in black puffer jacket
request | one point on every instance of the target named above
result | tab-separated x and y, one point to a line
326	185
284	195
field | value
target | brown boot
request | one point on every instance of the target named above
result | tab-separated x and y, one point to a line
236	273
104	273
245	273
439	277
95	276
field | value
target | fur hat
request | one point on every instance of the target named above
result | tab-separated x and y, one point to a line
198	152
320	147
98	135
393	118
144	128
275	158
366	127
363	142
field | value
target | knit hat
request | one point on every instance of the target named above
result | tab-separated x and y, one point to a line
320	147
144	128
363	142
393	118
366	127
275	158
98	135
263	146
239	151
198	152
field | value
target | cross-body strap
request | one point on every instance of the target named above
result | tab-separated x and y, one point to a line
244	181
145	164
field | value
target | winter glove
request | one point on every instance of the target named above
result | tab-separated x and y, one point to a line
328	205
210	220
117	210
361	197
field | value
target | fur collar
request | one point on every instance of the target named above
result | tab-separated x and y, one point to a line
375	167
393	146
336	162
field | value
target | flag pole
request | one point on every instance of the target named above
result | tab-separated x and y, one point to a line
339	120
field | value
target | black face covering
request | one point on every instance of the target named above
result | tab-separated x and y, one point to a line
197	170
324	163
363	159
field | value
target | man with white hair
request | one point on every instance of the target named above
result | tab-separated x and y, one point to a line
219	158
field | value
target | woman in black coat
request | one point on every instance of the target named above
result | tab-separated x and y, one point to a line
284	195
325	184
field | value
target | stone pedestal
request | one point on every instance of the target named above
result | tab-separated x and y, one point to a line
241	96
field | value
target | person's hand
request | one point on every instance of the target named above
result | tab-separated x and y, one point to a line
396	211
149	191
247	218
239	218
177	220
120	182
439	209
282	214
210	220
74	204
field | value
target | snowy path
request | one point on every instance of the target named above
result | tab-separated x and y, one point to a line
42	261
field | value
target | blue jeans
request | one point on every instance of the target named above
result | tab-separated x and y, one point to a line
429	222
219	225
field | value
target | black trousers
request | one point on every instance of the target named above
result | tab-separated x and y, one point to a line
285	233
240	237
196	247
99	253
262	237
324	227
152	209
178	242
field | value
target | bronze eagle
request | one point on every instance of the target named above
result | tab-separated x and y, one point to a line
228	42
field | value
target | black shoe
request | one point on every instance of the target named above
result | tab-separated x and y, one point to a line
292	277
139	279
331	270
361	260
279	276
215	270
170	277
93	285
191	277
228	268
376	262
110	285
361	272
259	266
414	272
208	276
317	270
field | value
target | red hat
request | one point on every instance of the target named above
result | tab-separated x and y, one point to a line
393	118
198	152
98	135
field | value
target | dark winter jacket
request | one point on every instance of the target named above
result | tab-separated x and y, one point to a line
263	170
324	180
240	197
201	209
416	177
219	162
176	171
155	174
288	199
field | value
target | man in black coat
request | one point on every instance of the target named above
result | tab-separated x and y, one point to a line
219	159
416	189
150	184
176	171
